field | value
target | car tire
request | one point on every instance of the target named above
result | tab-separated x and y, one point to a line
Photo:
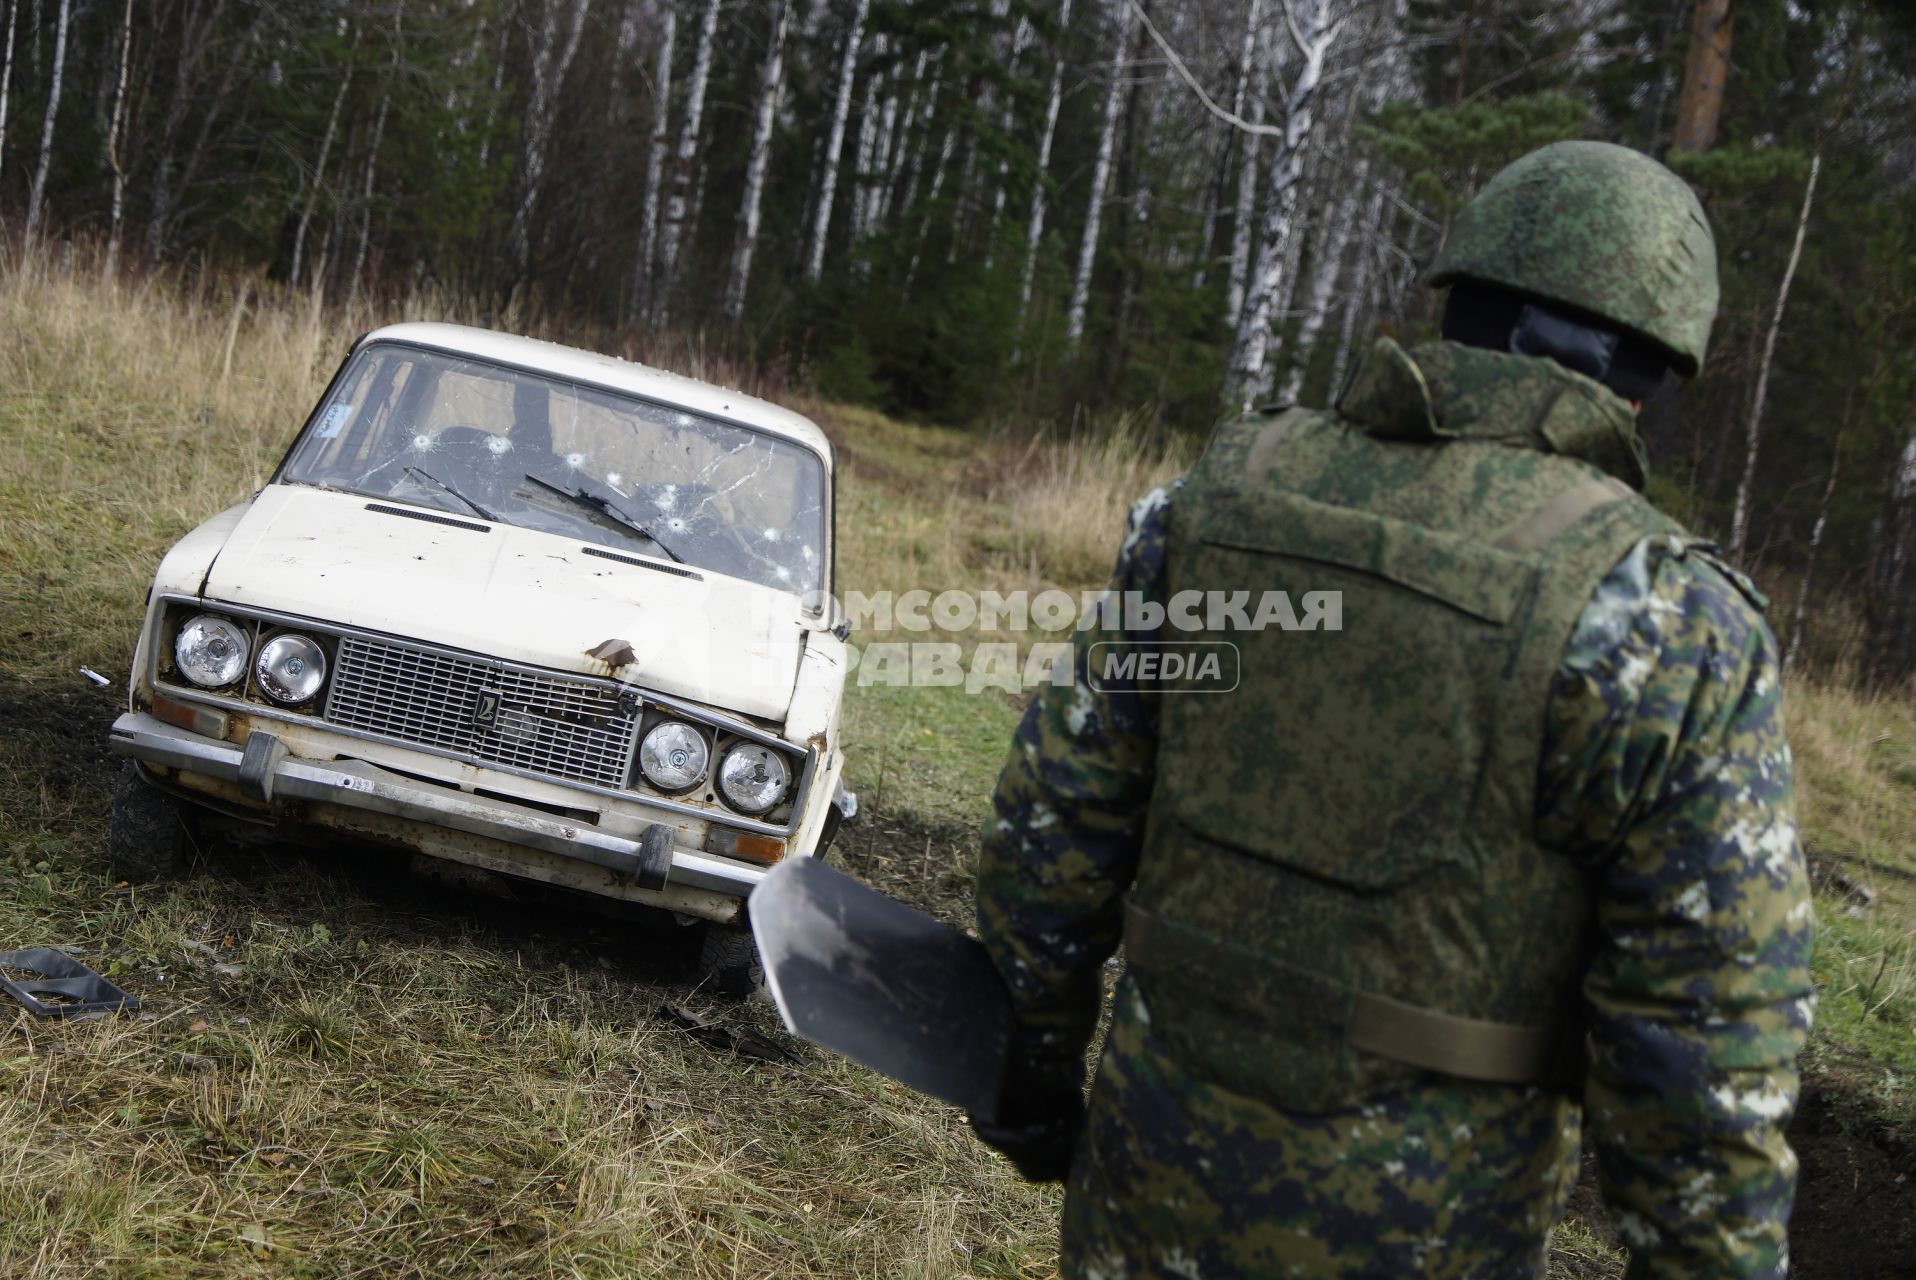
146	840
728	961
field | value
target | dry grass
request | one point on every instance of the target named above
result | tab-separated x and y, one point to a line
398	1085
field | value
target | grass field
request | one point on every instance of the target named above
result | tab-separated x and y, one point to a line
339	1073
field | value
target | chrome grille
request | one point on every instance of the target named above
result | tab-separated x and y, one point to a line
543	724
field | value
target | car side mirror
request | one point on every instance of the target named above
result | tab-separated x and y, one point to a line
842	629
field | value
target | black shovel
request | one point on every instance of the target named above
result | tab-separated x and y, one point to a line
887	986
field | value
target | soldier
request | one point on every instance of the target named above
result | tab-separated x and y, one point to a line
1511	851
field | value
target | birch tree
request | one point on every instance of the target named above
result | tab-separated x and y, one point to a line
1245	212
6	73
835	141
38	192
551	59
1340	219
655	156
1326	270
1034	227
771	85
319	168
868	116
1100	177
113	144
678	202
1020	39
372	168
1313	29
1816	545
891	143
1752	437
1357	298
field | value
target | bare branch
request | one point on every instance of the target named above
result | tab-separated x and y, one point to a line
1184	73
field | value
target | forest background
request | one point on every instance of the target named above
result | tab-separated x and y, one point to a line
1052	215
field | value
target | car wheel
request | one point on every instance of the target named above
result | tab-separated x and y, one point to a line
146	840
728	961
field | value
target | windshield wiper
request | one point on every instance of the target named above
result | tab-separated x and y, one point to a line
437	483
607	507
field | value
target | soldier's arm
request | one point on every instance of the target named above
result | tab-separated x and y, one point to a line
1667	772
1061	846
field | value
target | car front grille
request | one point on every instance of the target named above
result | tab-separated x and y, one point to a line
549	725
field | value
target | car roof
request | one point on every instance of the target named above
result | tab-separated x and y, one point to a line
611	373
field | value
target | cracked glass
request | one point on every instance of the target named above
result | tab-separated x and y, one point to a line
473	438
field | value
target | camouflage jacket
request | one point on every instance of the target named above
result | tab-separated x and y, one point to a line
1666	776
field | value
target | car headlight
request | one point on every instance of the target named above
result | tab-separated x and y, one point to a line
210	651
290	668
673	756
752	778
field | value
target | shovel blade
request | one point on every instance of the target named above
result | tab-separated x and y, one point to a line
866	976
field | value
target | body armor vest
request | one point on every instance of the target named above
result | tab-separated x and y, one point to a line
1341	891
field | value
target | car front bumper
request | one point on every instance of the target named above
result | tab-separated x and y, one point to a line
647	869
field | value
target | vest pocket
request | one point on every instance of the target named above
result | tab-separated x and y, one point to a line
1465	574
1241	1019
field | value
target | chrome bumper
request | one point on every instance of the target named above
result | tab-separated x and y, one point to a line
265	769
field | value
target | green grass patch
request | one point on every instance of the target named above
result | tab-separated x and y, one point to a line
932	752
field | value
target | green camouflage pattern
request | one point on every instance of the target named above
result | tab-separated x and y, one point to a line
1665	775
1399	859
1601	228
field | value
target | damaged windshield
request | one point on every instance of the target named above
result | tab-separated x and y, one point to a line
475	438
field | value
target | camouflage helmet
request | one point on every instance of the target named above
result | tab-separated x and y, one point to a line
1601	228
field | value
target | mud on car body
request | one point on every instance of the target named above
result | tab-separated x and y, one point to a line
514	606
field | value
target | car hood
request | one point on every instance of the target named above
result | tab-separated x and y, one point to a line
511	593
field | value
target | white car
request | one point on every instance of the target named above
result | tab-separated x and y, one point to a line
512	605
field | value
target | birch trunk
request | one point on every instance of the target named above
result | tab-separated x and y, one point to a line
916	142
1243	222
1303	228
6	73
771	85
1100	178
1324	275
1809	560
1020	39
319	169
1034	229
868	113
1246	208
655	159
1313	30
1740	520
835	142
116	224
678	202
895	138
550	62
372	165
39	189
622	46
1357	299
498	91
